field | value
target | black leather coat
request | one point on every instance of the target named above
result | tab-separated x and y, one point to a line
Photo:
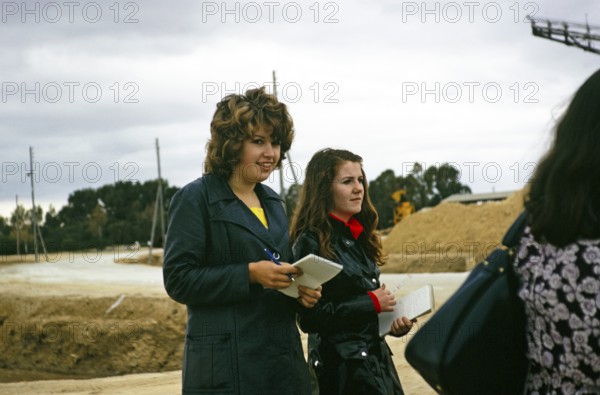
345	350
240	338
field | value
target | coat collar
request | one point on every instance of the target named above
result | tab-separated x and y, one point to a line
360	265
219	189
234	211
353	225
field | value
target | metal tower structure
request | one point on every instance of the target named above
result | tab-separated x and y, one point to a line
571	34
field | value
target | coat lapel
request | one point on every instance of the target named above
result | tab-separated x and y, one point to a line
231	209
273	206
236	213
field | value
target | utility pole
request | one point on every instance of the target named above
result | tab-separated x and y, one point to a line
36	230
158	204
160	188
282	193
18	223
281	183
31	174
289	158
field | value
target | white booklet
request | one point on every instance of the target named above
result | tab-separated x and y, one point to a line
413	305
316	271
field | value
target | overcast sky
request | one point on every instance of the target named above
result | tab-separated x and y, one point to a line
91	85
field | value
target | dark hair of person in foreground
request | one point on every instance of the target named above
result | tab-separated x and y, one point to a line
564	200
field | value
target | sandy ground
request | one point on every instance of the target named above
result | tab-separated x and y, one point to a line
40	304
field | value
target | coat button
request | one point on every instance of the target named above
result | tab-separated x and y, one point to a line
374	280
347	242
364	353
276	255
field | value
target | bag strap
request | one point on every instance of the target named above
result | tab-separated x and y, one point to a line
510	240
513	234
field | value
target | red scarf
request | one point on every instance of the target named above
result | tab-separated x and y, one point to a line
355	227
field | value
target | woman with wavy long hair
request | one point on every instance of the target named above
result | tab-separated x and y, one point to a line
336	220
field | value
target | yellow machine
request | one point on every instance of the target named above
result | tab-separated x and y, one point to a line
404	208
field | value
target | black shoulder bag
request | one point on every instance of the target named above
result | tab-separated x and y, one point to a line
475	343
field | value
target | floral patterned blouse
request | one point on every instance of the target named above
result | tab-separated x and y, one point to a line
561	291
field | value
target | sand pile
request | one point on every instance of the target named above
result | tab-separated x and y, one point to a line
450	237
78	337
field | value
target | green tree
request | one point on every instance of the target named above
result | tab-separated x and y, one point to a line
4	226
21	233
119	213
442	182
7	245
424	188
39	215
73	233
96	222
51	219
380	192
53	231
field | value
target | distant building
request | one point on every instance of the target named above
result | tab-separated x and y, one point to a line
470	198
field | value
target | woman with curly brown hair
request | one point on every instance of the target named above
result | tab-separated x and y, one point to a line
241	335
336	220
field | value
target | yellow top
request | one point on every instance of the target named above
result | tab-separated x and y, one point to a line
260	214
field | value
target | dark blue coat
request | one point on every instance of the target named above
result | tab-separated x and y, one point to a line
240	338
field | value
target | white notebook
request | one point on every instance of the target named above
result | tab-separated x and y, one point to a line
316	271
413	305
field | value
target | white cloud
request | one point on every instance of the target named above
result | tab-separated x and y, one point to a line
181	58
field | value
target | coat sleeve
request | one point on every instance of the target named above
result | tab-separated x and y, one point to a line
335	310
187	277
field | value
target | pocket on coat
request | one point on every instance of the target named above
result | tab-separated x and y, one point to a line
208	363
360	368
352	350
